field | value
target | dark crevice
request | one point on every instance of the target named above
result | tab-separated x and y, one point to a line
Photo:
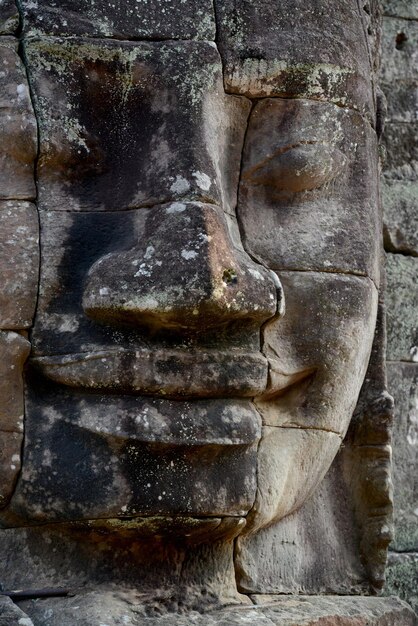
23	59
401	17
115	39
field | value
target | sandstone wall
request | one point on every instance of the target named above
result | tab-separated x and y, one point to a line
399	81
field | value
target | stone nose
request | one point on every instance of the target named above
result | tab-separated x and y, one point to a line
184	273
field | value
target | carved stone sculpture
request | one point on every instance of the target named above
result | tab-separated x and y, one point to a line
200	312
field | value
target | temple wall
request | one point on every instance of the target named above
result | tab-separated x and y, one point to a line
399	81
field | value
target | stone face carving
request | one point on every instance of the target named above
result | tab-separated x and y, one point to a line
207	295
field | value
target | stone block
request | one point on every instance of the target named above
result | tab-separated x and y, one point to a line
121	607
401	161
9	17
19	262
400	216
128	124
11	615
310	170
402	308
402	577
400	8
147	19
284	48
399	68
403	384
14	350
18	143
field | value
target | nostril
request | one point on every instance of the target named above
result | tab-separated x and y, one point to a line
230	277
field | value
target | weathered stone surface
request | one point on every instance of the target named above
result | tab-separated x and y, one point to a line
289	470
19	262
9	17
402	577
147	19
17	127
310	170
401	162
134	456
399	69
402	308
314	549
11	615
126	124
110	607
403	383
400	216
14	350
223	284
400	8
294	50
315	377
184	274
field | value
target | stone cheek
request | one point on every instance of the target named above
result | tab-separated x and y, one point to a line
14	350
318	352
19	262
17	127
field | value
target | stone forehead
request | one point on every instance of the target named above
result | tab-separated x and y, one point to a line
286	48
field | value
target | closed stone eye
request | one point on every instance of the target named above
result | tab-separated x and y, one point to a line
300	167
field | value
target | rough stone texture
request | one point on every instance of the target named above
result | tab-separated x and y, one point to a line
313	550
399	69
19	262
134	456
400	216
399	81
291	49
17	127
86	92
14	350
209	282
72	244
402	577
402	308
11	615
9	17
121	608
403	381
142	435
400	8
315	380
311	169
147	19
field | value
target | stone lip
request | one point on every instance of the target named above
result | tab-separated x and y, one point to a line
162	373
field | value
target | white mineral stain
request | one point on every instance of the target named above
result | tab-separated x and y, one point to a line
203	181
104	291
176	207
149	252
256	274
188	254
180	185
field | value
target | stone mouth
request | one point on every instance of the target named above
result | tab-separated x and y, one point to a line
174	373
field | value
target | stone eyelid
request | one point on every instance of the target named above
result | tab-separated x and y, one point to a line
299	167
